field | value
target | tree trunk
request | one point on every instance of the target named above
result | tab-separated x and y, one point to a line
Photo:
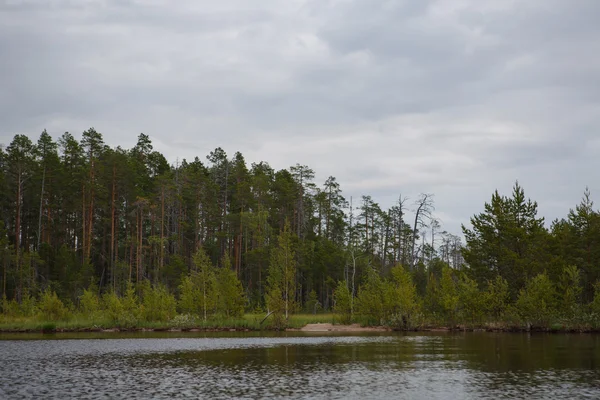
18	233
112	228
39	238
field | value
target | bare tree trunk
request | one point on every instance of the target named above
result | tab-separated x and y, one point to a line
424	206
39	238
162	229
112	228
83	223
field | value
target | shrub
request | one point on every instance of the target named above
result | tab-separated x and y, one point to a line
51	307
343	302
404	299
89	303
189	297
471	300
125	311
496	298
536	302
112	306
184	321
230	292
158	304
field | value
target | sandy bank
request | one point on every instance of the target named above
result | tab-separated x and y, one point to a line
326	327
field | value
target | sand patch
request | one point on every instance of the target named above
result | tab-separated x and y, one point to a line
327	327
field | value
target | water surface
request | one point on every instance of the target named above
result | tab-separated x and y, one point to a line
251	365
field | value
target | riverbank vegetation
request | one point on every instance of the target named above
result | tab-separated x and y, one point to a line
99	237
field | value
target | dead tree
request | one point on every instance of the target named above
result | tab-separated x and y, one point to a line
423	212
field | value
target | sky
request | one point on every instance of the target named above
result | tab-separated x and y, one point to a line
456	98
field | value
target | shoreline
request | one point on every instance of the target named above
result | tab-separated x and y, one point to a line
328	327
308	328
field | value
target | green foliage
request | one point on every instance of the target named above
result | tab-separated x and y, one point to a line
28	306
594	306
343	302
127	311
204	278
312	304
10	308
372	299
89	302
496	298
471	301
570	290
276	304
507	239
536	304
281	282
113	307
433	305
190	297
66	205
404	298
51	308
448	295
231	300
158	304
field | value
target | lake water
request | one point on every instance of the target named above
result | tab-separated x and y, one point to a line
374	366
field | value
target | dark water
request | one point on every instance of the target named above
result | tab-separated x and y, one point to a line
411	366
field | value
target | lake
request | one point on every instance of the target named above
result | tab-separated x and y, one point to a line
296	365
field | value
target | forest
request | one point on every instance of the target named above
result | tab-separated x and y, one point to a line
123	237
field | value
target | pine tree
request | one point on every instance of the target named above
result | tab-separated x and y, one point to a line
508	240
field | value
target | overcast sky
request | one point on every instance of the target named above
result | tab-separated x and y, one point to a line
452	97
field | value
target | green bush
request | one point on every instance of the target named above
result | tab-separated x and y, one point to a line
496	299
51	308
371	301
536	303
189	297
471	301
125	311
89	303
448	293
312	304
158	304
230	292
404	299
343	302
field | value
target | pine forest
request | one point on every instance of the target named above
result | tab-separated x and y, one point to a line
121	236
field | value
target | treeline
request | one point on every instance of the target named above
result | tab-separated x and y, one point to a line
78	214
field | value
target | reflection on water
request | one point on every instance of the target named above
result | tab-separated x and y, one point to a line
470	365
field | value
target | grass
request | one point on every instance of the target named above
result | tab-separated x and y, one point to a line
250	322
80	322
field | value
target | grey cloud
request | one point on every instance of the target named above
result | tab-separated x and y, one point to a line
452	97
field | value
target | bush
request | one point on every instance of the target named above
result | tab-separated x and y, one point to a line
448	293
189	297
230	292
536	303
343	302
184	321
404	299
125	311
372	298
51	307
471	301
594	306
89	303
312	304
496	298
158	304
10	308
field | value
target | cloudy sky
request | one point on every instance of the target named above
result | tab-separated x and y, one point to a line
451	97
